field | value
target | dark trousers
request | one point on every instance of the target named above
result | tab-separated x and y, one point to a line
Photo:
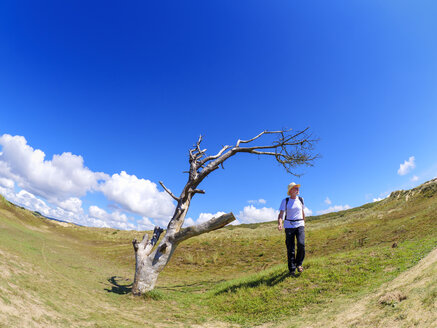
295	260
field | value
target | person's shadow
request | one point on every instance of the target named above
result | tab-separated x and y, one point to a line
117	287
266	280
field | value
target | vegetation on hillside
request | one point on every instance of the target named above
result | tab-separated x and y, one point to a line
70	276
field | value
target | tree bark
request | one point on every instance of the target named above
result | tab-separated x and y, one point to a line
150	264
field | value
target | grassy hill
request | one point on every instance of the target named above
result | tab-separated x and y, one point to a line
374	265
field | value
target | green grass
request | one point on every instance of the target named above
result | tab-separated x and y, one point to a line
269	295
77	276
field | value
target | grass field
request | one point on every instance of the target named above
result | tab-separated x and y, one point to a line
364	267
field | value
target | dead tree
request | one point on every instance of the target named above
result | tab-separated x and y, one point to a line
289	149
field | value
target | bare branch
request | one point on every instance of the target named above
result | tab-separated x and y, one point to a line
290	150
263	153
141	244
213	224
199	141
169	192
259	135
285	140
210	158
144	241
197	191
200	151
197	147
250	140
156	234
135	244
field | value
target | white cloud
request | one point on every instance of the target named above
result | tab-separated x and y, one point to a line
64	179
307	211
30	201
65	215
145	224
33	203
407	166
97	212
7	183
251	214
203	217
71	210
382	196
72	204
56	180
414	178
257	201
114	219
188	222
6	193
93	222
138	196
334	208
328	201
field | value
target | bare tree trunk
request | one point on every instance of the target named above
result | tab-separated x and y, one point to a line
289	150
145	273
149	265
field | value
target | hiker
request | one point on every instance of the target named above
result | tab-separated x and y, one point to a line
294	223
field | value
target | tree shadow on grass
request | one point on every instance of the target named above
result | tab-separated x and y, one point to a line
117	287
268	280
194	286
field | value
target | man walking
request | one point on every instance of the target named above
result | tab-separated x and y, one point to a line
294	223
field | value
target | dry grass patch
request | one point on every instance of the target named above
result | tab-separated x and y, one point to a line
392	298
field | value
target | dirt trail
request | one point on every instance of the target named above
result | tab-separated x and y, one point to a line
399	303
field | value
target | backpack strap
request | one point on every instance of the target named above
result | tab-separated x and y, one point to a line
286	204
301	200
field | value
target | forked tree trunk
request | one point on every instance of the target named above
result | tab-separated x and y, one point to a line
149	264
289	150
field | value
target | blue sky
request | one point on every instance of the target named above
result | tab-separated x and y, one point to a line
101	100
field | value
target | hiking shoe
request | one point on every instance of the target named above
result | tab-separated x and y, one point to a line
291	273
300	269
